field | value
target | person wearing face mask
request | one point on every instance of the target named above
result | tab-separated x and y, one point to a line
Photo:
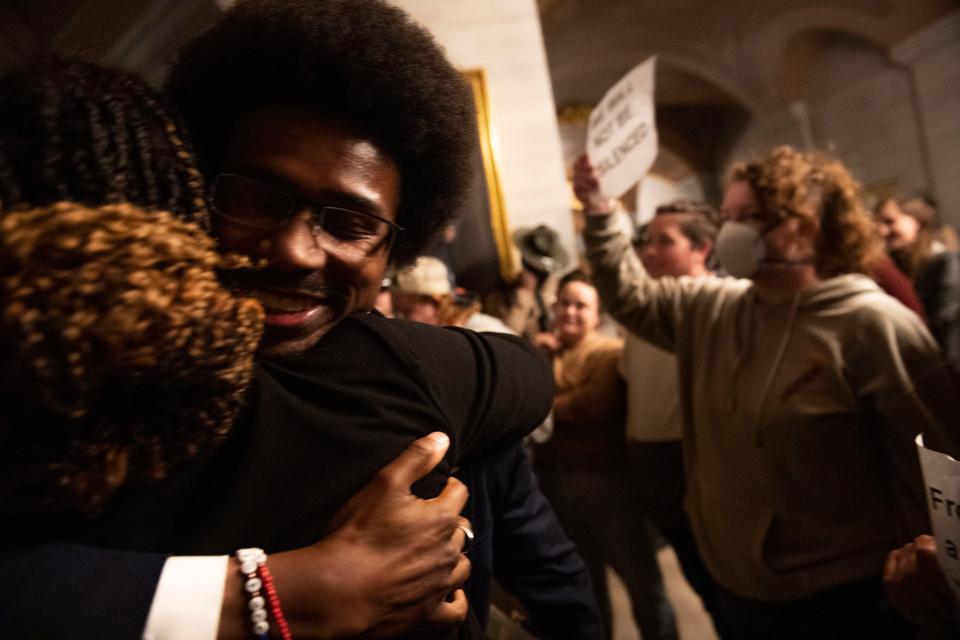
802	388
582	467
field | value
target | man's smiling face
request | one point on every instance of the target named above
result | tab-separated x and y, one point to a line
312	279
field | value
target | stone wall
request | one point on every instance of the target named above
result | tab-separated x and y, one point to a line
896	123
933	57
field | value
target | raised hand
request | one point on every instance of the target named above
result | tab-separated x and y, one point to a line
586	186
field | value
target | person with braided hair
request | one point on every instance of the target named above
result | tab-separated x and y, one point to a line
104	305
212	504
129	378
56	143
101	309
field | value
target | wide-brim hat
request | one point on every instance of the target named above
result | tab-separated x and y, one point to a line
540	248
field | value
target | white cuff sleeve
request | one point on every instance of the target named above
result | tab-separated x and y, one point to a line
188	599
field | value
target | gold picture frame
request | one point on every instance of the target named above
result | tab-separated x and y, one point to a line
499	225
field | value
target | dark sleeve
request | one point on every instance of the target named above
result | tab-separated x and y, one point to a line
938	286
533	558
493	387
897	285
61	590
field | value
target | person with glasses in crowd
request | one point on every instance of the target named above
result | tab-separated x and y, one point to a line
802	388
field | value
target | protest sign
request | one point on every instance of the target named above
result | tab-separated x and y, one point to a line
941	483
622	133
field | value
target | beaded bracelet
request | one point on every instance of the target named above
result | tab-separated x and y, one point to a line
250	561
274	601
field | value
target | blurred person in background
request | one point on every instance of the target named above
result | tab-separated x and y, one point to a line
928	252
528	553
677	242
582	468
423	293
911	228
802	388
523	304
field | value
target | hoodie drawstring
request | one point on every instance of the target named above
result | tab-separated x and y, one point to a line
794	308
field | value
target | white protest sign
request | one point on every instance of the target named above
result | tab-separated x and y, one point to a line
941	480
622	133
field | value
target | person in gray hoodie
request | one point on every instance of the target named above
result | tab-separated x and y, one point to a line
802	387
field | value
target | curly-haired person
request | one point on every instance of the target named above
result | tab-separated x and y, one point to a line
802	387
105	311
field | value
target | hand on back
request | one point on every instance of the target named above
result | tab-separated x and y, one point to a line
392	563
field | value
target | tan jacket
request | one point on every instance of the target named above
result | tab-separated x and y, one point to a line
593	437
798	418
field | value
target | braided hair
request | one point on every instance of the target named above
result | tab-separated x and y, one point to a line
72	130
122	354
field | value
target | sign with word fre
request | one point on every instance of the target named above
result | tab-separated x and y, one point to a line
622	132
941	480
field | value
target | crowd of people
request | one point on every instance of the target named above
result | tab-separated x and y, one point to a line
243	398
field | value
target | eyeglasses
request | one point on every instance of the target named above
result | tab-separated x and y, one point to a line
256	204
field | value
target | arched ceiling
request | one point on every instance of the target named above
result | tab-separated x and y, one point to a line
734	46
720	62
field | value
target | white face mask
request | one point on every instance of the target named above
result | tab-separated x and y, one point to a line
739	248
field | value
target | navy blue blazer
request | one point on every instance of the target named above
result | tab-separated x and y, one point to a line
520	543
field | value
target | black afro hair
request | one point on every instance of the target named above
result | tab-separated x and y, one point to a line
360	61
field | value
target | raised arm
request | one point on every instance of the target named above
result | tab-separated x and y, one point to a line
647	307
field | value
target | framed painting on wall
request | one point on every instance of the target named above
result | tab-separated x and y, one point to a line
480	252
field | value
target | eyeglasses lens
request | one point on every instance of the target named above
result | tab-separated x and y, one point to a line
252	202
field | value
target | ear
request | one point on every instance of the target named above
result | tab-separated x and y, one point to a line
704	249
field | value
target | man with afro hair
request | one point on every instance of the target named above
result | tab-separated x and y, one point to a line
322	176
125	363
300	110
345	103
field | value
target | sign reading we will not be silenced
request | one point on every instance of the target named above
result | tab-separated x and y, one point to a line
622	132
941	479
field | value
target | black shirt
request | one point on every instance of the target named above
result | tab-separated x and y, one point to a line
318	427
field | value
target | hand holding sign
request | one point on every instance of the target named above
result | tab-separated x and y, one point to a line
622	134
916	586
910	567
586	186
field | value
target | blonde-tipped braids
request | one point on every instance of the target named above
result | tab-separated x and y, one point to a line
122	353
